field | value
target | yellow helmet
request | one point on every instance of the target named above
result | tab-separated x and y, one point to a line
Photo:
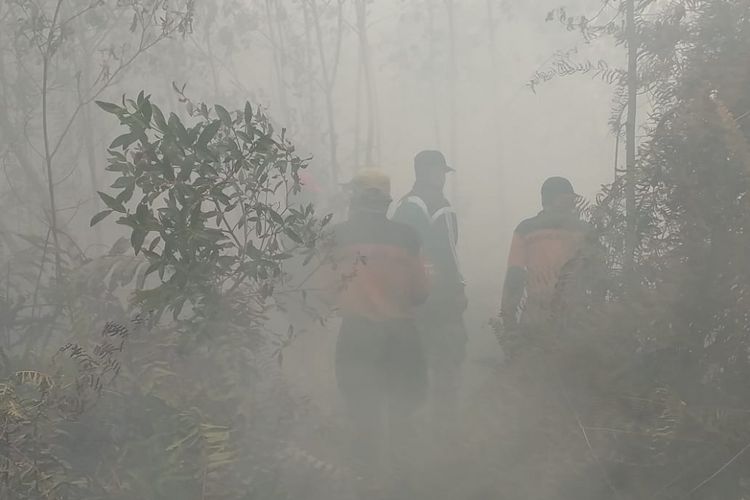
370	179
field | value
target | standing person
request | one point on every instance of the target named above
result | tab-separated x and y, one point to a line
381	278
541	247
426	209
551	283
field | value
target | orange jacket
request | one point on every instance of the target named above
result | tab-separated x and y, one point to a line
379	273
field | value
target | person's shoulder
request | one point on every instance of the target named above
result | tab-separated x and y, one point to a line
412	203
528	225
555	221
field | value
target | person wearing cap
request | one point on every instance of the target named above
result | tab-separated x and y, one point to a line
380	278
426	209
541	247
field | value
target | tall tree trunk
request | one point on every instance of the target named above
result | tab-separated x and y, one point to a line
452	96
496	115
212	65
433	67
46	60
357	115
14	140
372	135
329	78
312	122
88	131
277	50
631	237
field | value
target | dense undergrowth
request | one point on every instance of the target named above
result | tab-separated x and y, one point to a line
650	395
105	396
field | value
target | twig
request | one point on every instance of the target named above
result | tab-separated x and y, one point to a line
719	470
603	471
47	55
39	276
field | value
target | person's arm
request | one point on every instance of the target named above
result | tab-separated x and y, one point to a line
515	280
410	214
416	269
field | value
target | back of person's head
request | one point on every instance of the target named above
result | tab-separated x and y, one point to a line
557	190
370	191
430	168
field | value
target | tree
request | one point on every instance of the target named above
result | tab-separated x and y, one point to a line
40	38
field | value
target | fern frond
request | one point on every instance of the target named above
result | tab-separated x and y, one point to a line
39	380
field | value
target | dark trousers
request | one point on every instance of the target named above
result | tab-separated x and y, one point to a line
444	339
381	373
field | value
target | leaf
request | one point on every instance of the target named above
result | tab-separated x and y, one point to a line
120	247
223	115
293	236
153	267
275	216
158	116
124	140
99	217
177	308
111	202
110	107
126	194
136	239
153	244
208	133
40	380
176	126
244	136
248	115
122	182
147	111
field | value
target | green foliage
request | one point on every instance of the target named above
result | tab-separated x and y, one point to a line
34	409
207	205
193	405
655	377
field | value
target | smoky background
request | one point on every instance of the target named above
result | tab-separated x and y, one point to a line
512	92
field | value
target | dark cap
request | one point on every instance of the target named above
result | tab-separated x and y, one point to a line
555	186
431	160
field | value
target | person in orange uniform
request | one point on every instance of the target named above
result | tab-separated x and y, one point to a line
381	278
540	249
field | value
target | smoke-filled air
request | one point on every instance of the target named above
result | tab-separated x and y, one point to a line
374	249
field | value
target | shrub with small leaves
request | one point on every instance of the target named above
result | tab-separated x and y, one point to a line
209	205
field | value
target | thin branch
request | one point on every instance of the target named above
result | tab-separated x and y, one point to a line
141	49
78	14
45	130
719	470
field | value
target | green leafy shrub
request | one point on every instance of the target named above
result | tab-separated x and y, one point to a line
209	206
